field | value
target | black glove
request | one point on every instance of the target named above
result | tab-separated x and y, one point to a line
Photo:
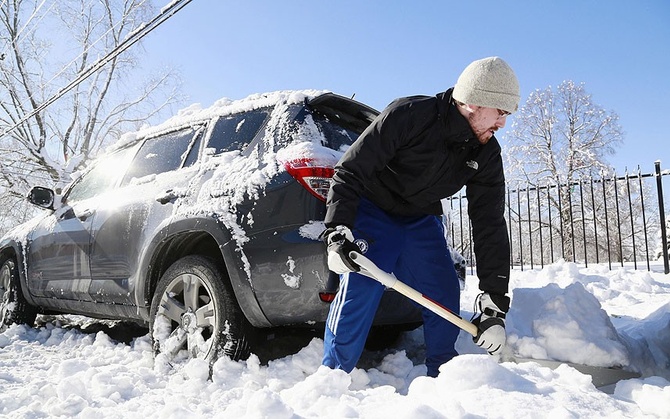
491	323
340	242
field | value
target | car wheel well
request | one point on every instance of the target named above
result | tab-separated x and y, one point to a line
6	254
192	243
14	308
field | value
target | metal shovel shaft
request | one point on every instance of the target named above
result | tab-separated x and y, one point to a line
368	268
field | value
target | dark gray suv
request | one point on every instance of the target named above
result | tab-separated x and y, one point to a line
205	228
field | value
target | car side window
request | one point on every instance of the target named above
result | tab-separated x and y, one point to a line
164	153
194	150
101	177
235	132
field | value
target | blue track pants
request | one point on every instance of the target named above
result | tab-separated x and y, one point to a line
415	250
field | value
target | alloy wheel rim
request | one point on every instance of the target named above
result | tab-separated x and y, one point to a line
5	279
186	318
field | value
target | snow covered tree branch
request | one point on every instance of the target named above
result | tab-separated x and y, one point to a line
46	45
560	136
558	143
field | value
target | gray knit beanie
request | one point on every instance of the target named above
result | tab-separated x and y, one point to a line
489	82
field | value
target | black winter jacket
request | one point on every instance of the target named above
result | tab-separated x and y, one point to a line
419	150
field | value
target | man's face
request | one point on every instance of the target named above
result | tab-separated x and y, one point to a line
486	121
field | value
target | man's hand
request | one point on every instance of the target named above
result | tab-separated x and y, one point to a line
491	323
340	242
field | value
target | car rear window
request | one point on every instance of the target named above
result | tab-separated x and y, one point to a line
336	136
235	132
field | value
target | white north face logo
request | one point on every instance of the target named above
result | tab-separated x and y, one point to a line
472	164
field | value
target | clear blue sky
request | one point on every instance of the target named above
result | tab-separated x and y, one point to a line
383	49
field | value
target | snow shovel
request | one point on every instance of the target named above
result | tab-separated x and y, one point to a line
603	378
369	269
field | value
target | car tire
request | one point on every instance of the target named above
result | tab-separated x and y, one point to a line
14	309
194	314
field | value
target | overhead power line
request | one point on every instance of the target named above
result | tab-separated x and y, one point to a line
85	50
143	30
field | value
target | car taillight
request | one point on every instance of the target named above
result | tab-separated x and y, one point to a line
332	284
327	297
315	178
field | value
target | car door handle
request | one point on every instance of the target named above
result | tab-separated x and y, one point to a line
167	196
85	214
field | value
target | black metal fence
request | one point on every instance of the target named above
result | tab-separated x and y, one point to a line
613	220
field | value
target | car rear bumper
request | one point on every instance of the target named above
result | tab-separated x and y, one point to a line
289	271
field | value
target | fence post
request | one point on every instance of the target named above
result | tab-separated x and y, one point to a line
661	210
572	222
551	232
560	218
595	224
530	226
509	229
581	199
460	221
607	223
632	222
518	208
451	222
618	218
539	225
644	218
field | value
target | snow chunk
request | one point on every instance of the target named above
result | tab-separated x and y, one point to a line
564	325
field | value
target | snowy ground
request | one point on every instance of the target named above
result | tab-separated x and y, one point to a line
586	316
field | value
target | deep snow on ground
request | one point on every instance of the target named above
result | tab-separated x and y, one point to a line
565	312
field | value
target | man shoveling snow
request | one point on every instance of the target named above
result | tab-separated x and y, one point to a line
384	202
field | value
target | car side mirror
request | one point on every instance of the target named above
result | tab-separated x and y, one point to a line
42	197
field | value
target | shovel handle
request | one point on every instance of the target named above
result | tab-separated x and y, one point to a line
368	268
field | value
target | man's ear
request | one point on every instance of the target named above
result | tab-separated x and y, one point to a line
466	109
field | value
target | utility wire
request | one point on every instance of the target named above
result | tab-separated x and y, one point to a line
86	49
135	36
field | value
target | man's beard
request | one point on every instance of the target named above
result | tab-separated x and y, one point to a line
483	135
486	135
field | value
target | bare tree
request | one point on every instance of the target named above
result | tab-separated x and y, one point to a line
558	140
561	136
43	47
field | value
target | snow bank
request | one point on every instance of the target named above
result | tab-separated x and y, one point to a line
564	324
59	371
